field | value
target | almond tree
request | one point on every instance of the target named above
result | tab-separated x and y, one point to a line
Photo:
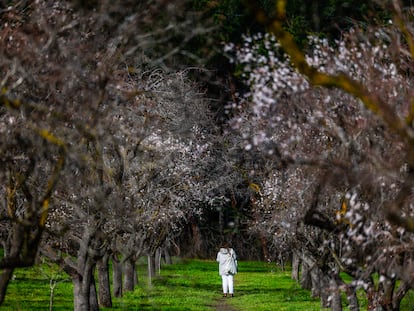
59	95
336	124
143	183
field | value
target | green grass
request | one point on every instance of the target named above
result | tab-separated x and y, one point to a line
185	285
30	290
261	286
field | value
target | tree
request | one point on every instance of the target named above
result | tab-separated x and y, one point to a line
61	94
336	127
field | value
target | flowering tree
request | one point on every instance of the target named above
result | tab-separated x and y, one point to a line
335	123
73	133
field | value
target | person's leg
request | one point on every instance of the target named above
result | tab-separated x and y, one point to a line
230	281
225	284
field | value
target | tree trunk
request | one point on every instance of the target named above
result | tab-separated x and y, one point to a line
167	256
336	301
84	290
305	277
281	261
15	244
399	295
195	230
103	281
117	276
93	297
385	298
317	282
135	277
4	282
158	258
321	287
6	247
151	268
352	298
265	249
80	302
166	250
295	266
372	297
390	297
129	274
386	291
221	221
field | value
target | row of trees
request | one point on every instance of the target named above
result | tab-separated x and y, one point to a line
333	128
110	150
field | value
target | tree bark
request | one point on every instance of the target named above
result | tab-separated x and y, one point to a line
352	298
117	276
129	274
15	242
305	277
399	295
151	268
295	266
371	297
84	289
320	287
317	282
158	258
4	282
167	255
104	291
195	230
336	301
80	302
265	249
168	259
386	291
6	247
135	276
93	297
390	297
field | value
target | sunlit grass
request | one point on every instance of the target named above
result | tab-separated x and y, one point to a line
185	285
262	286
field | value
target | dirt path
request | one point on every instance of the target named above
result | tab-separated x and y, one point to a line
222	305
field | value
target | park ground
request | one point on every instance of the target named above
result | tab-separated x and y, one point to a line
184	285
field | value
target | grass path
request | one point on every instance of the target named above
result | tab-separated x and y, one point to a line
192	285
263	286
258	286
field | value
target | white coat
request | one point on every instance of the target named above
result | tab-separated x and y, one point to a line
223	258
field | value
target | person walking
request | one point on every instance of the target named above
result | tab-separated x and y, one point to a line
227	259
